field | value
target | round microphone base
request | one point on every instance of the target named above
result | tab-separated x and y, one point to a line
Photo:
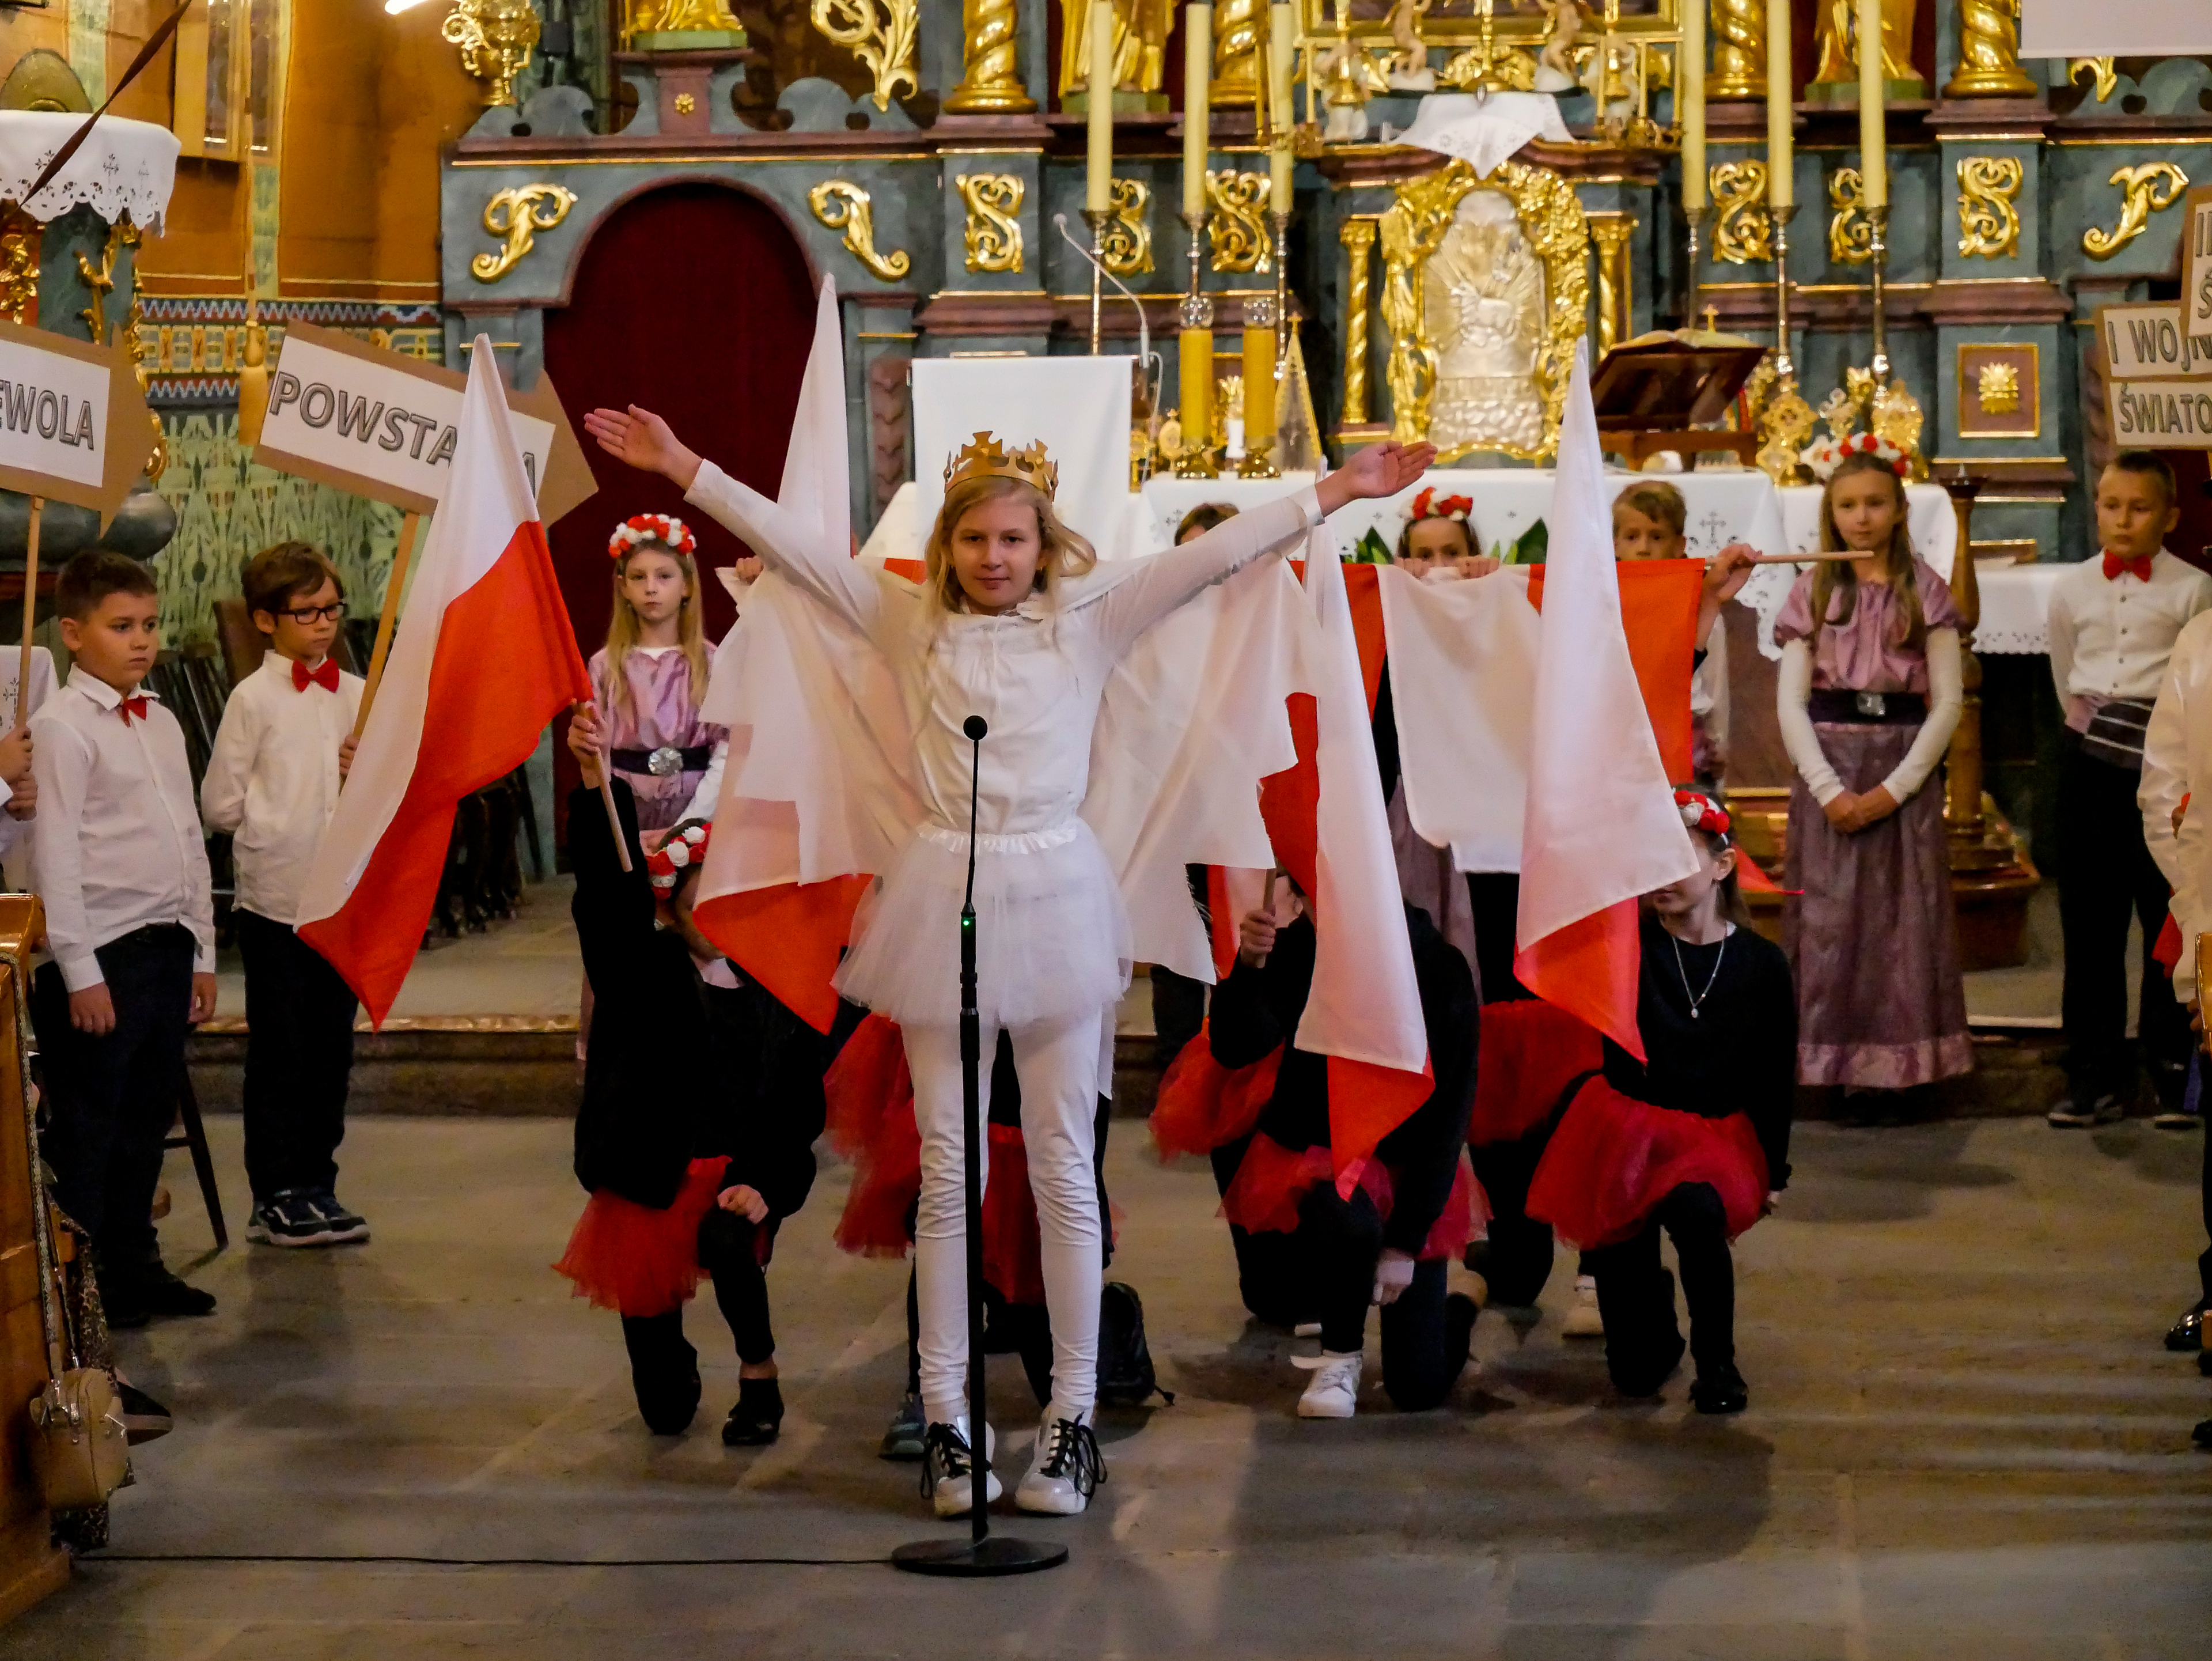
993	1554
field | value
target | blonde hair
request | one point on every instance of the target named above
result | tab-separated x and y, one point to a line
1662	504
1832	576
1063	552
623	630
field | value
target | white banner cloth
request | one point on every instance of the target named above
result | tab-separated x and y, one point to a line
123	167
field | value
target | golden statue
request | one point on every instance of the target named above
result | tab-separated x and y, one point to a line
1836	39
649	17
1140	46
1483	292
1239	28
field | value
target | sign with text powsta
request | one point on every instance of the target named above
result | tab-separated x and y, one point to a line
74	426
384	425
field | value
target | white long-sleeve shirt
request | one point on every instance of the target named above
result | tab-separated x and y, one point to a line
272	780
2109	637
1035	673
1945	698
2177	763
118	845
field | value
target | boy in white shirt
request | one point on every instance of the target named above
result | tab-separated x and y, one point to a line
272	782
123	870
2113	622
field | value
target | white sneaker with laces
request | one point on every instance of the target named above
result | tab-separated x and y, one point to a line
948	1470
1583	1320
1335	1391
1065	1469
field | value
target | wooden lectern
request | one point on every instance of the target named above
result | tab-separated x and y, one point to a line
1652	392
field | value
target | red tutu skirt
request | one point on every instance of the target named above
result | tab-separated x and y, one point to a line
1531	1052
1613	1159
1271	1180
636	1260
1203	1104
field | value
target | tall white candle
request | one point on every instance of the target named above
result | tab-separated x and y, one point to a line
1874	154
1098	176
1282	50
1781	95
1197	92
1689	101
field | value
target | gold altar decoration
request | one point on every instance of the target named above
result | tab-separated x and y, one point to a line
1989	223
2104	79
1996	389
880	34
496	38
990	82
518	215
1488	66
1239	27
1784	426
21	236
1743	233
993	237
1850	233
1739	38
1236	227
1358	236
132	332
1486	291
1140	46
2148	189
1615	295
1126	246
1896	415
1836	36
1409	53
100	280
1989	53
642	19
842	206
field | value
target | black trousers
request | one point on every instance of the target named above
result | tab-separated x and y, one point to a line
299	1059
1637	1297
1178	1010
2106	875
2204	1258
1495	898
1517	1260
663	1365
111	1099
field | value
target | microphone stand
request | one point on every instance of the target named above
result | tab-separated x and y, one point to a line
982	1553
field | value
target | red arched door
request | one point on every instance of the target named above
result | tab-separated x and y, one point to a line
695	302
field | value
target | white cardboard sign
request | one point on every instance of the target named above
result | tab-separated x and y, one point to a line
73	423
2143	341
2160	415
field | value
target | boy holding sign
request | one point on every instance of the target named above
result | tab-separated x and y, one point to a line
123	870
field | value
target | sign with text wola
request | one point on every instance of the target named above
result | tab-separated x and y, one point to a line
384	425
74	426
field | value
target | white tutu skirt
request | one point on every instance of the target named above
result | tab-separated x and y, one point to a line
1052	938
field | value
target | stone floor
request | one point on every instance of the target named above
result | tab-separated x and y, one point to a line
1965	1442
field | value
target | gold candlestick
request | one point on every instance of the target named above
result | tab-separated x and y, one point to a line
1096	219
1696	217
1201	455
1787	421
1878	219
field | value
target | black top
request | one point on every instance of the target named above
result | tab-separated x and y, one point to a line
1738	1055
1255	1010
679	1070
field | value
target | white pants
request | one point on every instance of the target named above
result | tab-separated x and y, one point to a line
1057	1062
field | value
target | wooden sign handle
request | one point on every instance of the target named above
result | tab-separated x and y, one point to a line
1802	559
607	801
30	611
388	617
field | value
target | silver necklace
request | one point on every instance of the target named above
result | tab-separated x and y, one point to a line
1697	998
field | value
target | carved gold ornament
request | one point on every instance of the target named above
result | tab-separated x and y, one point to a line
650	17
1238	233
685	103
1739	36
1358	236
2150	188
2105	79
101	280
846	207
1236	35
1896	416
1989	223
880	34
1850	233
496	38
1989	53
1743	230
518	214
1996	389
1140	44
991	82
20	238
1615	298
1784	426
1550	222
992	239
1125	245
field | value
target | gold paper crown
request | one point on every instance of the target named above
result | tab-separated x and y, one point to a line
986	458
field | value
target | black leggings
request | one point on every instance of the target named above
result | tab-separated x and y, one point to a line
1342	1239
662	1360
1637	1298
1519	1258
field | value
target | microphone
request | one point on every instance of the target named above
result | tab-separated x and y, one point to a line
1145	354
974	727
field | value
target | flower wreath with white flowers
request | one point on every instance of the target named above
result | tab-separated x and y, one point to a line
686	847
1824	455
650	527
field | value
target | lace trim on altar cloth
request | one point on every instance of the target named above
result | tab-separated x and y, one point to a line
125	168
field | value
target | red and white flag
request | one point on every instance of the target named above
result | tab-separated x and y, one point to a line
482	658
1600	826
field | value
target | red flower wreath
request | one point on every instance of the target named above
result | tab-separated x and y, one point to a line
649	528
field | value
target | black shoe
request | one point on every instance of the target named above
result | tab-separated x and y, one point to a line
289	1218
2187	1333
346	1226
152	1292
758	1416
1721	1391
904	1437
2203	1362
2203	1434
144	1418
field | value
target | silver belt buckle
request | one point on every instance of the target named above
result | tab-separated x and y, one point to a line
1870	703
667	761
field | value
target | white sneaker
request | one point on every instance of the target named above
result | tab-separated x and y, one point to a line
948	1471
1064	1470
1335	1391
1582	1320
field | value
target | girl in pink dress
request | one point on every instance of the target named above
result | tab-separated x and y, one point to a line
648	679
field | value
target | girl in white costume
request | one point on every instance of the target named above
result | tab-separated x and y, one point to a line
1013	625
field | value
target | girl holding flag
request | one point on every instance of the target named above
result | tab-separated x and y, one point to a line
1011	623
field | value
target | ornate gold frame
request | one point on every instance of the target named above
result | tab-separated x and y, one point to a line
1413	228
1318	22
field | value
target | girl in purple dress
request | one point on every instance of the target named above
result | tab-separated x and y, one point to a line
1869	696
647	681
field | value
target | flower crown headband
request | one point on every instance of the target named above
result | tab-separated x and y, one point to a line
685	846
1700	811
650	527
1428	505
1824	455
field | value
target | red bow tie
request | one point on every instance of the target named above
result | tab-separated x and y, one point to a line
130	708
2140	565
326	677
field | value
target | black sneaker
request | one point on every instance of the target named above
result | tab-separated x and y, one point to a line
289	1218
1722	1391
904	1437
346	1225
758	1416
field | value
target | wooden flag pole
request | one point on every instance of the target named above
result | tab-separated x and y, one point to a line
389	618
607	801
1804	559
30	611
